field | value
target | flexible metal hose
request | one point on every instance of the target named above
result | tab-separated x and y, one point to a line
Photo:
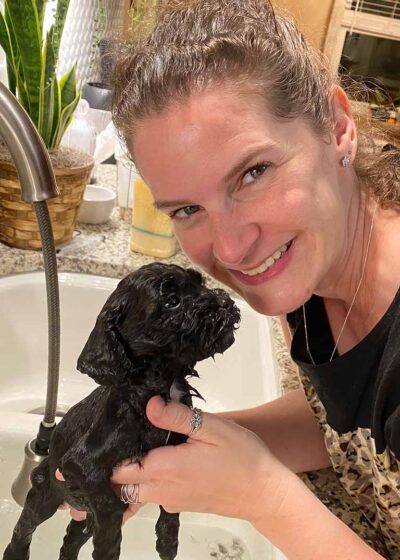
53	311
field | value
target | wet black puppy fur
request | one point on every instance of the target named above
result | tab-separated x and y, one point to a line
154	327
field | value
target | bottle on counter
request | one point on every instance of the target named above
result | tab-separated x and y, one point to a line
81	133
152	231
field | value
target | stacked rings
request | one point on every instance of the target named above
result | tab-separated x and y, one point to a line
130	493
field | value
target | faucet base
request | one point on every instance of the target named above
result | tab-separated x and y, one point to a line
22	483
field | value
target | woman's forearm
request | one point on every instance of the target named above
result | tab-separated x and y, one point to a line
304	529
290	430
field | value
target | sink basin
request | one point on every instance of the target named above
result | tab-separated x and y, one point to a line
246	375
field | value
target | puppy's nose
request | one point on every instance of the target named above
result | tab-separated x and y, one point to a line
223	298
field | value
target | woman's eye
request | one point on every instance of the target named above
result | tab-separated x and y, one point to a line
185	212
255	172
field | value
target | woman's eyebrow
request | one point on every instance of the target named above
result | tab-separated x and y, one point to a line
246	159
160	204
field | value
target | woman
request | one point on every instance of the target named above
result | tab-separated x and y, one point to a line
250	146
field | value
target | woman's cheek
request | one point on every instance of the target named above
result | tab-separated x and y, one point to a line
195	243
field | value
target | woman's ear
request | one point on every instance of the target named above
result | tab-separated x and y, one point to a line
344	129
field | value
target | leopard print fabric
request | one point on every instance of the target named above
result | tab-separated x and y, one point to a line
371	479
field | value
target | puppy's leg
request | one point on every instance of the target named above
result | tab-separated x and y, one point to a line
167	527
42	502
92	482
78	533
167	530
107	535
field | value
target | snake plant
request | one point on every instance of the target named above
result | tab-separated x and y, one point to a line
32	57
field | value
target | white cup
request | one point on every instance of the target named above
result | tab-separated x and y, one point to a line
98	203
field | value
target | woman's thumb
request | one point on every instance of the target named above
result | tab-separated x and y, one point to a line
175	417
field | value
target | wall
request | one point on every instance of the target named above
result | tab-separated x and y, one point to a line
311	15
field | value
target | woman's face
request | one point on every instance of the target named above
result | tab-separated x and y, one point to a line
259	204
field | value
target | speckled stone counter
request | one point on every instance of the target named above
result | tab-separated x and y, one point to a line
104	250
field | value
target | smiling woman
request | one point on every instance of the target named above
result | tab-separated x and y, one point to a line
250	145
236	166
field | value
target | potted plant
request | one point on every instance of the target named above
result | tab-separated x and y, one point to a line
50	102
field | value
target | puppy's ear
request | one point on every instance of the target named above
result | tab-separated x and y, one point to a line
104	357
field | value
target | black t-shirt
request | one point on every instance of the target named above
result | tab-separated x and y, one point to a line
356	399
360	388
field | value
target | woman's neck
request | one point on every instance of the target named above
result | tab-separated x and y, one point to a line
378	283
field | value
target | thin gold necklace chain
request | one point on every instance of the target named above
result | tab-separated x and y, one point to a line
352	301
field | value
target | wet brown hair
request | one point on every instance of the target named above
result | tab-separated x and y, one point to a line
245	45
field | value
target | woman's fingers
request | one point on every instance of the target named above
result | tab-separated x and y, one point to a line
78	515
133	473
178	417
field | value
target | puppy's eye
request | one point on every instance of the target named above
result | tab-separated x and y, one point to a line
172	302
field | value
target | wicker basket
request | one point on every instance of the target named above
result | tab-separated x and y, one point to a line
18	223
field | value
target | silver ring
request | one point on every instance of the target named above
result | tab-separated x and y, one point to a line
130	493
196	421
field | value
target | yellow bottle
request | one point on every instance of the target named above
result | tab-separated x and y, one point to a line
152	232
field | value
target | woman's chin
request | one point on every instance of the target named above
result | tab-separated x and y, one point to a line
273	305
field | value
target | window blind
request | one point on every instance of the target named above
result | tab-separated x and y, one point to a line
373	17
385	8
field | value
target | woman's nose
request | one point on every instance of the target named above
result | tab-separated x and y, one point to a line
232	241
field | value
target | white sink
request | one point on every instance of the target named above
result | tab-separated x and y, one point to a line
246	375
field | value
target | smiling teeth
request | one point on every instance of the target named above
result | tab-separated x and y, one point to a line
269	262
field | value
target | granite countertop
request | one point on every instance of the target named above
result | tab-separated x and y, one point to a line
104	250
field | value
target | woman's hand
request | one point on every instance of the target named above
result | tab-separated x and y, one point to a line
222	468
79	515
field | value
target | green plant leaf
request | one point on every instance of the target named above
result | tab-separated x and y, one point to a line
25	22
56	112
46	109
16	78
68	87
69	97
66	118
21	89
5	43
13	40
12	81
5	37
12	60
41	9
31	66
59	22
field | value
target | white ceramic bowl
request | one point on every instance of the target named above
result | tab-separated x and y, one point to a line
98	203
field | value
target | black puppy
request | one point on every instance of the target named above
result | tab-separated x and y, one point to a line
152	330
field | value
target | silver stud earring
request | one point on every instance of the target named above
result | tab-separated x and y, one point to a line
345	161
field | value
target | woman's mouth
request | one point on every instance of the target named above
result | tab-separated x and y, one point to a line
272	266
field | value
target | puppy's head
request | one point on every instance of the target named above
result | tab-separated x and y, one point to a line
158	314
